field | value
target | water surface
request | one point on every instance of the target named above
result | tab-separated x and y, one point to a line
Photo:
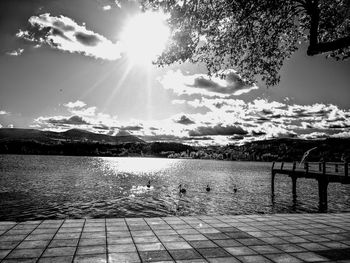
43	187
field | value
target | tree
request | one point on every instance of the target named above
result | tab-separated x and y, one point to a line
253	36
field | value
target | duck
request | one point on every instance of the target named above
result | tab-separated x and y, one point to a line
235	189
207	188
149	184
182	190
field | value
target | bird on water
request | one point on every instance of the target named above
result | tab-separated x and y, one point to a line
149	184
208	188
235	188
182	190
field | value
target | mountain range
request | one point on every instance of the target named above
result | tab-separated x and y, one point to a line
73	135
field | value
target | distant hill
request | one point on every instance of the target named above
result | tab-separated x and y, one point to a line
74	135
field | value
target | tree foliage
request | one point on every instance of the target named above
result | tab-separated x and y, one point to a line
253	37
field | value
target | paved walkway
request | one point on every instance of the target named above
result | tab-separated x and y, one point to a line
250	238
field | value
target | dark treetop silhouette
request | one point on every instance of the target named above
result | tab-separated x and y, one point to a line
254	37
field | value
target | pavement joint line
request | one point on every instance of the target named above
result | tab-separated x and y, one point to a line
160	239
77	246
107	260
22	239
50	241
132	238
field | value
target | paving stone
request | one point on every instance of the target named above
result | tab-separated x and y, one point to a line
26	253
283	258
63	242
121	248
171	238
20	260
202	244
150	246
130	257
84	250
254	259
4	253
224	260
59	251
8	245
265	249
56	259
149	239
100	258
180	254
240	251
115	241
177	245
213	252
34	244
194	237
153	256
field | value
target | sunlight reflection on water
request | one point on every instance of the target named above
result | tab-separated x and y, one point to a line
37	187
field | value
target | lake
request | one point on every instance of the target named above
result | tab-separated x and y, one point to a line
50	187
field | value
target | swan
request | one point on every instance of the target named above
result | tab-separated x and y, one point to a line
208	188
182	190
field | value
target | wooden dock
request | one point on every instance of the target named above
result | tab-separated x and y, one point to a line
323	172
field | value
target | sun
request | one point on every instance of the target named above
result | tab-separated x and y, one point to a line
144	37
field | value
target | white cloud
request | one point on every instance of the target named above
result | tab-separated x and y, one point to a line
107	7
2	112
201	84
65	34
76	104
16	52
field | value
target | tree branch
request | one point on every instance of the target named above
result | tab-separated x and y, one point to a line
328	46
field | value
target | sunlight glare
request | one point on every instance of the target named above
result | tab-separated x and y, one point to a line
144	37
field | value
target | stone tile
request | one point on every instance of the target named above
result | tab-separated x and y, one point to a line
253	259
153	256
290	248
84	235
213	252
97	258
201	260
171	238
150	246
265	249
115	241
64	242
227	243
121	248
202	244
177	245
34	244
194	237
180	254
130	257
283	258
150	239
310	257
238	235
85	250
224	260
59	251
250	241
5	238
275	240
8	245
67	235
56	259
189	231
20	260
240	251
26	253
4	253
214	236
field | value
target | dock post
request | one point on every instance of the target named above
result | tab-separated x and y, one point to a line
322	193
319	167
272	181
294	187
306	166
346	169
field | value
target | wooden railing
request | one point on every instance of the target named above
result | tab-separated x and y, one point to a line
338	168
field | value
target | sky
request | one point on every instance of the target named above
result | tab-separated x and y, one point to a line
85	64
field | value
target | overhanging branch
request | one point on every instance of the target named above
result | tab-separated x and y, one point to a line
337	44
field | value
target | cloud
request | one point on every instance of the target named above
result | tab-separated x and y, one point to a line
76	104
184	120
65	34
217	130
2	112
16	52
201	84
107	7
131	128
74	120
